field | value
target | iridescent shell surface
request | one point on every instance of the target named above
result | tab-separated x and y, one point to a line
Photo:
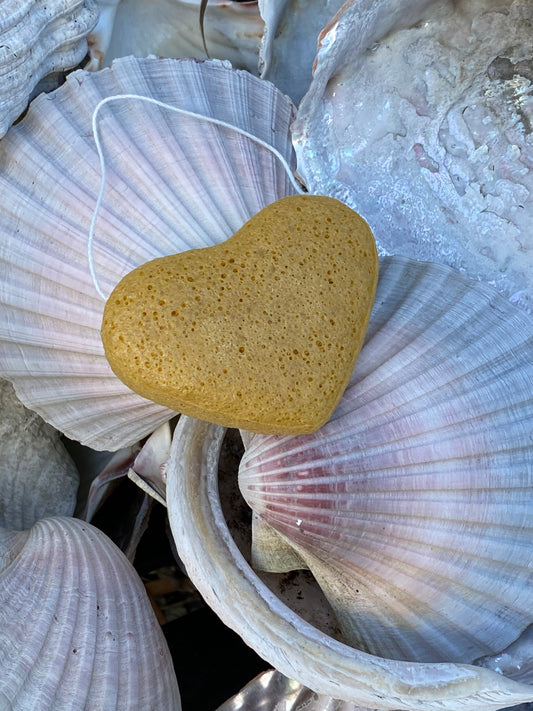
419	116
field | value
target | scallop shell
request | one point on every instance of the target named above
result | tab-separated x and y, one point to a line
173	182
36	40
37	475
171	28
412	505
76	626
436	149
294	647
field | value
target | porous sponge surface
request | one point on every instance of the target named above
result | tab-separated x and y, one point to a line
259	332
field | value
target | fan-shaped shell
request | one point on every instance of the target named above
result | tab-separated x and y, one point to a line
172	183
76	627
38	39
419	117
412	505
296	648
37	475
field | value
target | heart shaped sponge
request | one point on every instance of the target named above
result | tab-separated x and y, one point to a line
260	332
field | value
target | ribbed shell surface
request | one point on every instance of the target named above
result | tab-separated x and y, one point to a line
294	646
413	504
76	627
172	183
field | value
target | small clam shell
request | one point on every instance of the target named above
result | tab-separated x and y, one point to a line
76	626
37	40
429	131
172	183
296	648
37	475
412	505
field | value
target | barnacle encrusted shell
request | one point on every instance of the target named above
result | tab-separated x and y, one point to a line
419	116
412	505
37	475
37	39
422	512
76	627
173	183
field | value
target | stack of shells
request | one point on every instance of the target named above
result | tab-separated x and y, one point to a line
412	506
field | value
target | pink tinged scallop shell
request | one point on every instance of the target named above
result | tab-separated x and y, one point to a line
36	40
76	627
297	648
419	116
412	506
173	183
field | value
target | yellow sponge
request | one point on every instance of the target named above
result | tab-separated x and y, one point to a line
260	332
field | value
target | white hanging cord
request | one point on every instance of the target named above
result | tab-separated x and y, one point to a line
185	112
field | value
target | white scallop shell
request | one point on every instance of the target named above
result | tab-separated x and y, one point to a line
171	28
173	183
37	475
419	116
38	39
412	505
296	648
76	627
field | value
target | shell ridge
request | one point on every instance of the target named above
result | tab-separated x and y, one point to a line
465	597
36	684
76	654
147	183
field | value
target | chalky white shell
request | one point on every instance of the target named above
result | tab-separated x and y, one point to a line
419	116
37	475
38	39
172	183
76	627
